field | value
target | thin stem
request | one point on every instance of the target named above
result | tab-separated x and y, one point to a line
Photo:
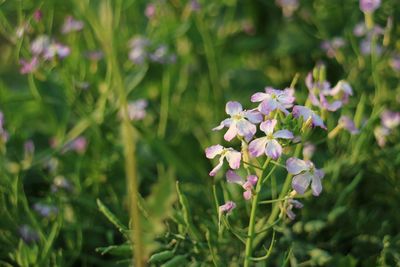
251	231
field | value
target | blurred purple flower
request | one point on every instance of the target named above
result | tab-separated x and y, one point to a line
366	47
292	203
45	210
71	25
346	123
27	234
3	133
61	183
40	44
381	133
95	55
368	6
304	173
240	123
227	207
332	46
390	119
232	156
29	66
138	53
274	99
37	15
29	148
269	145
395	63
78	145
195	5
308	150
137	109
307	114
248	185
56	49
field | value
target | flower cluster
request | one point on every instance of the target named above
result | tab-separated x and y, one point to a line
331	47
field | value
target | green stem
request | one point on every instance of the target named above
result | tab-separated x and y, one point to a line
251	230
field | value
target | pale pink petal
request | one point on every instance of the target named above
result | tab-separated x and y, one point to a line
231	133
233	108
252	179
253	116
268	126
317	121
213	151
258	97
285	134
300	182
268	105
214	171
233	157
246	129
224	123
247	194
273	149
316	186
233	177
257	146
295	165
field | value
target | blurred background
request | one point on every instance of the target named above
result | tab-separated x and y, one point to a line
68	66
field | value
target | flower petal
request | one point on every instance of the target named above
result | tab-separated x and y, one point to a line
246	129
214	171
257	146
258	97
233	108
268	126
273	149
231	133
284	134
268	105
247	194
224	123
233	177
213	151
316	185
252	179
233	157
254	116
295	165
300	182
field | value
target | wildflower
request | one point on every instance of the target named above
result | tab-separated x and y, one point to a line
369	6
195	5
304	173
227	207
381	133
27	234
332	46
45	210
29	148
248	185
3	132
138	53
346	123
240	123
61	183
38	15
366	47
79	145
292	203
308	115
40	44
395	63
56	49
274	99
137	109
232	156
268	144
288	6
71	25
150	11
95	55
29	66
390	119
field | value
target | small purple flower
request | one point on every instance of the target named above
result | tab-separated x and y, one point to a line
395	63
40	44
56	49
304	173
268	144
29	148
248	185
369	6
137	109
227	207
71	25
274	99
29	66
232	156
308	150
292	203
240	123
61	183
138	53
44	210
195	5
348	124
390	119
27	234
38	15
366	47
308	114
94	55
381	133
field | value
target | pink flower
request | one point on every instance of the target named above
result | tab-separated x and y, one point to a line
71	25
308	114
368	6
348	124
232	156
227	207
274	99
305	173
268	144
240	123
248	185
29	66
150	11
137	109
